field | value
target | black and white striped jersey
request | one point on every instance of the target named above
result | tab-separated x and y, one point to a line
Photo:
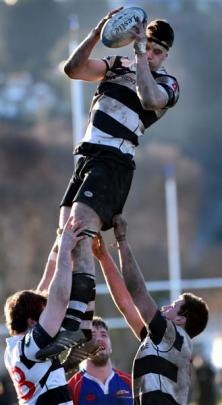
39	383
162	364
117	118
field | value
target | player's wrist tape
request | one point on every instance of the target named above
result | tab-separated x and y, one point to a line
89	232
140	48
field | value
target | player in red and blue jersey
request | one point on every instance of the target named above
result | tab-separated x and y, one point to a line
99	383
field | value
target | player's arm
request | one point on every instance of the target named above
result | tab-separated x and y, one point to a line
117	287
49	269
80	65
132	274
152	96
60	287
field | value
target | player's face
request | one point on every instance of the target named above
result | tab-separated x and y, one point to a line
171	311
155	55
102	337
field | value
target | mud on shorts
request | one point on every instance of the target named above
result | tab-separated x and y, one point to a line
102	181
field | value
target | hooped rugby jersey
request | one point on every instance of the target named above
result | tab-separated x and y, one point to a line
117	118
87	390
36	383
162	364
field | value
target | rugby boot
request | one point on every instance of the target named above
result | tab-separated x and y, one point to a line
64	340
77	354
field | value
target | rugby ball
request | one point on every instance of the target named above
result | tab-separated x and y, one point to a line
115	32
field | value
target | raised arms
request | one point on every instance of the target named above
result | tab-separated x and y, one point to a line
132	274
49	269
148	56
60	287
80	65
117	287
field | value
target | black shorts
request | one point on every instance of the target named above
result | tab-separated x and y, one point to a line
101	180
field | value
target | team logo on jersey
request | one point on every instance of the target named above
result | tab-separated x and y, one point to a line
123	394
90	397
88	194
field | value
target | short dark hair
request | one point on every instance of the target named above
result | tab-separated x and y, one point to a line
160	31
196	312
21	306
98	322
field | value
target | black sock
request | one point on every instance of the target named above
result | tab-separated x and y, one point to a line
83	289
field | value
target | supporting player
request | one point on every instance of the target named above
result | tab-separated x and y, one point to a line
98	380
161	368
33	320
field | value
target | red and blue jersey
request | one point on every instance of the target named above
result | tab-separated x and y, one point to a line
87	390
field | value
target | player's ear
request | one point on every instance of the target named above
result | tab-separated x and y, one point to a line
180	320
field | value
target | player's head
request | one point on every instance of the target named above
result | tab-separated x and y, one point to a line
196	312
100	332
189	311
22	307
160	32
160	37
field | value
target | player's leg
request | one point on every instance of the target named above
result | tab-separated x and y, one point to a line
104	189
77	354
103	186
83	284
64	216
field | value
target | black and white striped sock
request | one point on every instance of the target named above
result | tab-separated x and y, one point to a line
80	304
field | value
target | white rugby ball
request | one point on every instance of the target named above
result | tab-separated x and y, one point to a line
115	33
